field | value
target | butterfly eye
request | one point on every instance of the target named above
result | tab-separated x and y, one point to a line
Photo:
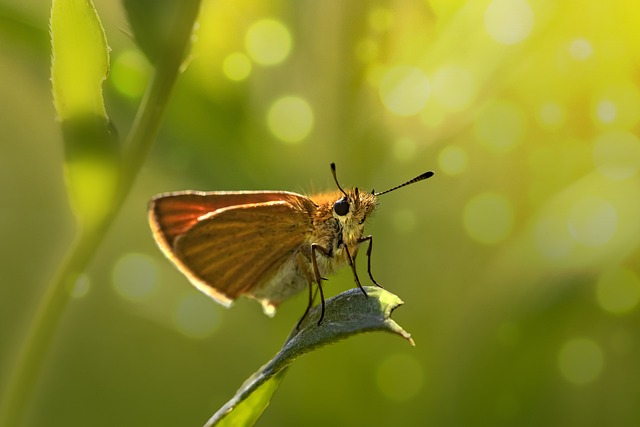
341	207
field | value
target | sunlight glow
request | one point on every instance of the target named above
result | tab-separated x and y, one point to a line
454	88
509	21
501	127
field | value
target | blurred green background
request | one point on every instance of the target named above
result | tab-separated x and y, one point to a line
518	262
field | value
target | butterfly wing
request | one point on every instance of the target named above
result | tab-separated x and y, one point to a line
172	214
229	243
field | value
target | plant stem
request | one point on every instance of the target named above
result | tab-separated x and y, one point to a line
51	309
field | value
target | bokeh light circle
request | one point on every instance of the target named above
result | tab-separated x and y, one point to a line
616	154
290	119
196	316
509	21
551	115
593	221
129	73
135	276
453	160
618	290
552	237
268	42
616	105
454	88
580	361
580	49
236	66
404	90
81	287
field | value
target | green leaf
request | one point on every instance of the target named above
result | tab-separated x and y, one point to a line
80	63
160	26
346	314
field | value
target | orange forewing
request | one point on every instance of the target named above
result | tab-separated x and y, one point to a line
227	243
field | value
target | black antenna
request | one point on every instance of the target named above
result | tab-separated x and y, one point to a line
335	178
411	181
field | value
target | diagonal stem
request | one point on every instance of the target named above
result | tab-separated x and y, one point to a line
41	333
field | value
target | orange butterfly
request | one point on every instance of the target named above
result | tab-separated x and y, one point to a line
266	245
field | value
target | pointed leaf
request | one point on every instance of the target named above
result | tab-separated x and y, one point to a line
80	63
161	26
346	314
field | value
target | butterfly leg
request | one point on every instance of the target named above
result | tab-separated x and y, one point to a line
312	299
353	268
370	239
317	248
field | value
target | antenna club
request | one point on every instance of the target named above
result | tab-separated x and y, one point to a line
418	178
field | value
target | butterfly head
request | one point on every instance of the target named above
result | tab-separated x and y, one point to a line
353	207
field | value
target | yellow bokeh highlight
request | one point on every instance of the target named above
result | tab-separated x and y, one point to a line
618	290
453	160
135	276
552	237
488	218
501	127
404	90
580	49
400	377
616	154
236	66
509	21
592	221
617	105
290	119
196	316
268	42
130	73
81	287
454	88
580	361
551	115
